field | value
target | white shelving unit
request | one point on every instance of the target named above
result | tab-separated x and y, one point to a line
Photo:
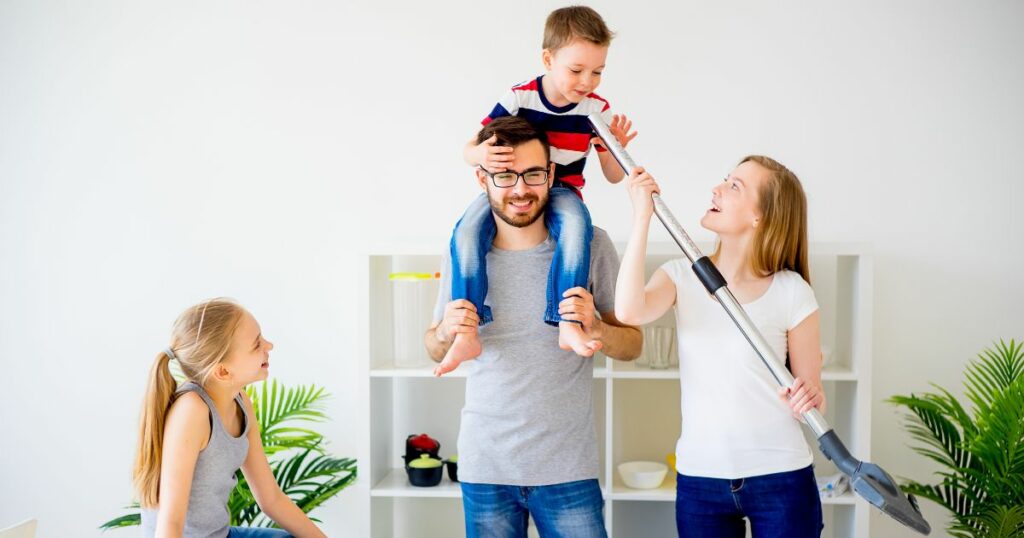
636	408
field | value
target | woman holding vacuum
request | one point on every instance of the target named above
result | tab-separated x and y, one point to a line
740	455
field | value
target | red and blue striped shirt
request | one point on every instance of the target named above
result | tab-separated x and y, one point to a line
568	129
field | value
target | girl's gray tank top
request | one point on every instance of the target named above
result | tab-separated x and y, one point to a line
213	478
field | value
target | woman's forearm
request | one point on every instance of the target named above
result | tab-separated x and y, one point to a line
629	287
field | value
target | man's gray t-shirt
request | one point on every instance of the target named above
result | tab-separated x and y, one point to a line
529	413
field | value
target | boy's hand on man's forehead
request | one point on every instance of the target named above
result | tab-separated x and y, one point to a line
494	157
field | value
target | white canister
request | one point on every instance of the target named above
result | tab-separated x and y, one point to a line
413	296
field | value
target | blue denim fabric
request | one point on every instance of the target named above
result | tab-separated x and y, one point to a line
570	510
257	532
568	222
781	504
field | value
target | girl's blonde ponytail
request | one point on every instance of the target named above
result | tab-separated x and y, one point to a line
159	389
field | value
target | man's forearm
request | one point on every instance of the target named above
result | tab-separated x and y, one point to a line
435	347
621	342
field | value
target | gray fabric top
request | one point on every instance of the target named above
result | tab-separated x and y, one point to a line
213	478
528	419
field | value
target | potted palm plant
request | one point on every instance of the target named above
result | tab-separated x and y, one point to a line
301	465
981	451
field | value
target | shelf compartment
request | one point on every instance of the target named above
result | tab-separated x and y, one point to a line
630	370
654	518
396	484
839	373
666	492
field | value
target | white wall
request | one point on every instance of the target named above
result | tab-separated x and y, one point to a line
152	156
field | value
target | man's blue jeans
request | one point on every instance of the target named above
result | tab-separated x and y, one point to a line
570	510
568	222
781	504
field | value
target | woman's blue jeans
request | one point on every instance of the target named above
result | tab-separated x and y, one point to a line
568	222
777	505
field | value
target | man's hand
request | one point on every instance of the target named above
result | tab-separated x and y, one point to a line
492	157
455	337
578	305
459	317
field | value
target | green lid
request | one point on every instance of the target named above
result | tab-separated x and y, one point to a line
454	459
412	276
425	462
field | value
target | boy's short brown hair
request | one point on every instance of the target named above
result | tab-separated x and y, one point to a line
575	22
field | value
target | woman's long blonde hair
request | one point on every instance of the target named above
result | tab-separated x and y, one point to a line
780	241
200	340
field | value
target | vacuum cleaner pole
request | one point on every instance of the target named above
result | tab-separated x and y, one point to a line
867	479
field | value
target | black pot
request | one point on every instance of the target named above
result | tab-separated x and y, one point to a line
413	453
453	470
424	478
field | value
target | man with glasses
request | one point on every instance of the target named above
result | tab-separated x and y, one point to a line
527	444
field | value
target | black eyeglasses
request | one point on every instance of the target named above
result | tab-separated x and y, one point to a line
505	180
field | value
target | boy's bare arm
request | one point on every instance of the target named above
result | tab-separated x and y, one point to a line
612	171
470	153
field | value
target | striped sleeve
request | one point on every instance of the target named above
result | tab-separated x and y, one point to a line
508	105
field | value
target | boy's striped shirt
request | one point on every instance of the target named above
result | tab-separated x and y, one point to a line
568	129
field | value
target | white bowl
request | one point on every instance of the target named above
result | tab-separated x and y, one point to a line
642	474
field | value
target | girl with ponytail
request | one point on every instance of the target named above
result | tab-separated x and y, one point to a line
194	437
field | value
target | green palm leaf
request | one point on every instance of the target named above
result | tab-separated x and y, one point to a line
981	452
128	520
994	522
310	479
274	405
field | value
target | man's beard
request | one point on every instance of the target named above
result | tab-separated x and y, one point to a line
499	207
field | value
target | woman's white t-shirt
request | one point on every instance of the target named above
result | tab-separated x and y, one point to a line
734	425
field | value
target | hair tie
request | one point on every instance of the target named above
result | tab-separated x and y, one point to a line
170	354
